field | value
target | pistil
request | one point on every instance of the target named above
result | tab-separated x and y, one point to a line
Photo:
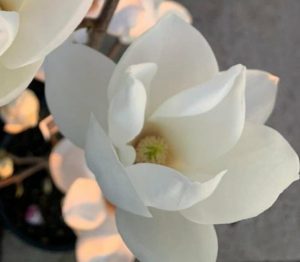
152	149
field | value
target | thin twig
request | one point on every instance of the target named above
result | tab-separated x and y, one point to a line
86	23
101	24
115	49
18	178
26	160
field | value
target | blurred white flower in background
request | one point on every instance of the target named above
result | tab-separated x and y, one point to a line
95	9
6	165
67	163
84	208
22	113
26	37
133	17
175	144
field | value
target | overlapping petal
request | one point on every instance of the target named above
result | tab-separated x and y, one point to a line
198	138
260	167
36	36
14	81
127	108
9	25
109	172
167	237
261	90
183	58
76	82
165	188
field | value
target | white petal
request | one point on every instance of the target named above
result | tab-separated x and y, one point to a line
182	55
200	99
109	172
168	7
102	244
9	25
260	167
76	82
67	163
84	207
14	81
261	90
195	140
37	37
127	154
165	188
127	107
12	5
80	36
167	237
127	111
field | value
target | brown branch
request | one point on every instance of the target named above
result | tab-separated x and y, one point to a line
18	178
26	160
101	24
86	23
115	49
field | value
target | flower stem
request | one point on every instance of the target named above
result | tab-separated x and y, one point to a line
115	49
18	178
101	24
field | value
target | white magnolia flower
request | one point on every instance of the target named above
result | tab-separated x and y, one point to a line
133	17
28	32
175	144
22	113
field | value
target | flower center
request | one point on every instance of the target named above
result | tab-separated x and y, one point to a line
152	149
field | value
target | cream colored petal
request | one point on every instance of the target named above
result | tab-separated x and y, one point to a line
80	36
9	26
182	55
202	98
37	37
167	237
165	188
67	164
76	83
198	139
110	173
261	91
127	111
127	107
84	207
14	81
260	167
